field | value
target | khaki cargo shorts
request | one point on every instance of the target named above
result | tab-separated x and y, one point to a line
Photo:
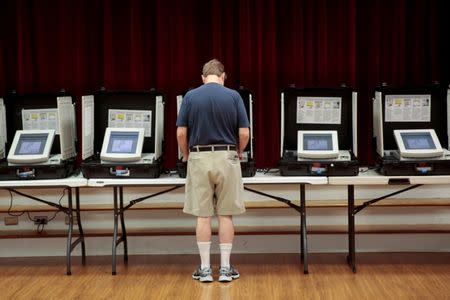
214	184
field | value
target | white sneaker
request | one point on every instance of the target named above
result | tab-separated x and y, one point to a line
203	275
228	274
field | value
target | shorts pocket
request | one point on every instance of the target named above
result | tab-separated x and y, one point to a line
233	158
193	156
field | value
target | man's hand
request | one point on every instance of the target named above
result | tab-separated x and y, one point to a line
244	135
183	142
240	155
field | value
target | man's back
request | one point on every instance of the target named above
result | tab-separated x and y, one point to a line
213	114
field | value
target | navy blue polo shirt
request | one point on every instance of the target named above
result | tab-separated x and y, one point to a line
213	114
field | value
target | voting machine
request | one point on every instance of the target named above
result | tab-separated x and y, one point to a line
318	132
410	129
248	166
123	134
38	136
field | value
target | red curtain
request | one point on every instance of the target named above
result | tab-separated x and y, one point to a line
267	45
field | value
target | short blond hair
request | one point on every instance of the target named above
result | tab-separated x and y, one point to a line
213	67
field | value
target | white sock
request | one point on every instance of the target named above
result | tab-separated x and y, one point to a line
225	252
204	249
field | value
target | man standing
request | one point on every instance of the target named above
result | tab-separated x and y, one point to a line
212	133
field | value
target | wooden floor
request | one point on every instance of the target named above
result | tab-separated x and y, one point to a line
263	276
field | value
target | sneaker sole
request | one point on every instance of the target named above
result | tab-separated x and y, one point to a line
203	279
223	278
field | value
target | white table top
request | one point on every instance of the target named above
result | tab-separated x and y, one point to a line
371	177
161	181
274	178
73	181
259	178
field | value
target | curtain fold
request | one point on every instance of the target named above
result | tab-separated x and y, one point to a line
267	45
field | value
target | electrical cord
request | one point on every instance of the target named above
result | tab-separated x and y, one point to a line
40	226
170	172
10	207
59	202
268	170
11	196
366	169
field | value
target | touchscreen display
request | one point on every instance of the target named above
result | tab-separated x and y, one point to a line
122	146
31	144
418	140
123	142
317	142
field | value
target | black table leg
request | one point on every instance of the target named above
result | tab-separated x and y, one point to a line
122	222
351	228
69	234
115	242
303	231
80	228
302	250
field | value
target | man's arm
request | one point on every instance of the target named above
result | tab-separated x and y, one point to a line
183	142
244	135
